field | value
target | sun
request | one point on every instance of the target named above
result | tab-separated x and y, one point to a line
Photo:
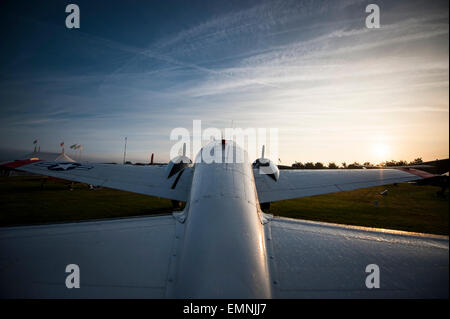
380	151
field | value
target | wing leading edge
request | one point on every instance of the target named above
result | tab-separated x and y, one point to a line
302	183
148	180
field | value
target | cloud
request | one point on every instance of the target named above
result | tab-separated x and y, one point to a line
278	63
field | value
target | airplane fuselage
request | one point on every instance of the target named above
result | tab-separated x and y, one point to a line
223	249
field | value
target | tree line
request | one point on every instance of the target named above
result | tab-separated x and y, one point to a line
354	165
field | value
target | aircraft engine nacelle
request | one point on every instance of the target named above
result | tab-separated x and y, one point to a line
267	167
177	164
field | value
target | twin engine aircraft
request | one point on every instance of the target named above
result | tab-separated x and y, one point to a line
222	245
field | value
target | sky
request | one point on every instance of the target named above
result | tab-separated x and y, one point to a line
336	90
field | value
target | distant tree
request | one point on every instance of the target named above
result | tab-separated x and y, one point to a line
402	163
354	165
416	161
332	165
395	163
344	164
390	163
367	164
298	165
309	165
318	165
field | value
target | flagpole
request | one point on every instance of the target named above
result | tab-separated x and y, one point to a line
125	150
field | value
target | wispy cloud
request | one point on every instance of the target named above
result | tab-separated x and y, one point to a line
289	64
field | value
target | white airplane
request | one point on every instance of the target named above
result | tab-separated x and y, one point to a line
222	245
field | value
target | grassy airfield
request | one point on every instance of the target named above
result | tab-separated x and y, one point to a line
405	207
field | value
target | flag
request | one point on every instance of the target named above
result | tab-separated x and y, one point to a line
74	146
62	144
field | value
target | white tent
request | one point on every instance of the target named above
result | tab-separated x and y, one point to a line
64	158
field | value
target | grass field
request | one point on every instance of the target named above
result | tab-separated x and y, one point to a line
24	202
405	207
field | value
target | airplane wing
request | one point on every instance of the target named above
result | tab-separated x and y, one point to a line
133	258
122	258
322	260
148	180
303	183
